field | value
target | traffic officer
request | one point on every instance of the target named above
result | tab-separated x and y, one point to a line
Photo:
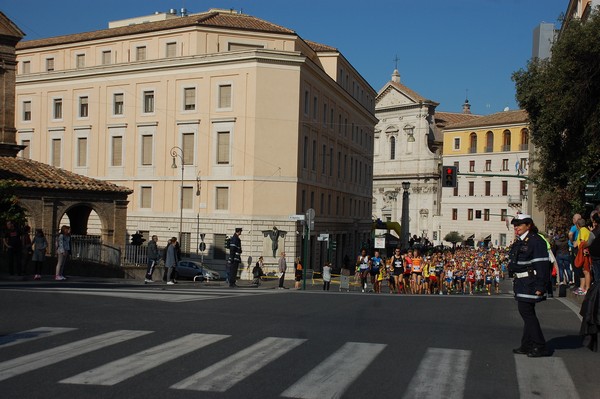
235	256
529	267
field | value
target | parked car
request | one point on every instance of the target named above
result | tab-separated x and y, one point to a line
187	269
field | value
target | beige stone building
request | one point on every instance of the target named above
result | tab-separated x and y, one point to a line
215	120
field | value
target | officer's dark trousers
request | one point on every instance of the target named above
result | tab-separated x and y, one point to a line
532	332
232	273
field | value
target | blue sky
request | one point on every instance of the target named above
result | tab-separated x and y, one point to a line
444	47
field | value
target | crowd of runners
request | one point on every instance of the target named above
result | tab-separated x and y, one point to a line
466	271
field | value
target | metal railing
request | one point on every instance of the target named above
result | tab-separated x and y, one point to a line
92	250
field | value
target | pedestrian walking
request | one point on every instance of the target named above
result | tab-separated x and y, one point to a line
282	265
63	250
153	257
171	259
326	276
529	264
39	246
26	248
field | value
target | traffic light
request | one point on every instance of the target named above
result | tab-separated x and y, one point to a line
137	239
333	245
227	242
449	176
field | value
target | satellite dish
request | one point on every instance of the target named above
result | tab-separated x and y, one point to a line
506	109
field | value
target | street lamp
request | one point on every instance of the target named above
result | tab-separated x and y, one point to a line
404	228
177	152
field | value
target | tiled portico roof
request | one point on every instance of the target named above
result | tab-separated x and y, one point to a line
27	173
497	119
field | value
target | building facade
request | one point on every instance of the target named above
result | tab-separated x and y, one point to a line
492	156
408	149
215	120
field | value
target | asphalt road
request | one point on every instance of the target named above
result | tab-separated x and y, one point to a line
94	340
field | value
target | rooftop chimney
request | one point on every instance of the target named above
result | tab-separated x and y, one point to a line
396	76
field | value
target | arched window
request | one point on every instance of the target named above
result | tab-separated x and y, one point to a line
524	140
489	141
392	147
506	140
473	143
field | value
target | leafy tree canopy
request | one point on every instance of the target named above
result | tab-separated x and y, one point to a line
562	98
9	206
454	237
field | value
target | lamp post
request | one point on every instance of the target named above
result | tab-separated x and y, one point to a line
404	228
177	152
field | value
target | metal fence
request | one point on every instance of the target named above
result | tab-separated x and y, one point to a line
90	248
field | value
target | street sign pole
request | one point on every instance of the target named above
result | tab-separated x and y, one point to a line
309	224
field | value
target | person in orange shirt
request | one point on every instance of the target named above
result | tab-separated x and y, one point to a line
417	272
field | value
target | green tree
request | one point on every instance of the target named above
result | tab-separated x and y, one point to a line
562	98
9	206
454	237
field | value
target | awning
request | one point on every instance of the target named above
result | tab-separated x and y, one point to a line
488	238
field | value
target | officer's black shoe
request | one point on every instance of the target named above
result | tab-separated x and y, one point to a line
521	351
538	352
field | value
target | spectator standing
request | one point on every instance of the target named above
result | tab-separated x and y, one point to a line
573	235
26	249
171	259
297	273
581	244
561	247
235	257
257	271
282	267
529	265
594	247
153	257
40	246
12	242
326	276
63	250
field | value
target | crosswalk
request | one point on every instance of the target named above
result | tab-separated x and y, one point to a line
155	294
331	377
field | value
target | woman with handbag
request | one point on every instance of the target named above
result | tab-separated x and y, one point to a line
583	259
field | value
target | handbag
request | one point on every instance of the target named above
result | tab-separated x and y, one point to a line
582	258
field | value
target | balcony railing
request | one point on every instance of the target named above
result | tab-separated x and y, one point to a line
524	147
489	149
514	200
472	150
506	147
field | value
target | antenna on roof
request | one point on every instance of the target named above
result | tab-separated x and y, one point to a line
396	59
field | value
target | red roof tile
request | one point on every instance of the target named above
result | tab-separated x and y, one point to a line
497	119
32	174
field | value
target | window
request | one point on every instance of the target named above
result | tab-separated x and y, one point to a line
189	101
148	101
147	149
118	104
456	190
469	214
522	187
502	240
331	118
303	201
80	61
188	197
220	252
454	214
486	215
140	53
305	153
315	107
523	165
26	152
57	108
477	214
324	160
187	146
49	64
312	199
471	188
473	141
243	46
487	188
83	107
506	140
457	143
503	214
331	161
171	49
489	141
314	155
223	148
222	200
26	110
186	241
146	197
106	57
306	102
82	151
339	165
524	140
471	166
225	96
322	203
26	67
392	148
504	187
324	114
505	164
55	156
116	151
488	165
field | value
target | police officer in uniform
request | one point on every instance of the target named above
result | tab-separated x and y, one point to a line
529	268
235	257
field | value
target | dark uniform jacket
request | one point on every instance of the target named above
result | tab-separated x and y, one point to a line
530	256
235	249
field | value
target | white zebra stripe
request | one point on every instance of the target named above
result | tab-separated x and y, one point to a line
544	377
114	372
333	376
450	368
34	361
30	335
224	374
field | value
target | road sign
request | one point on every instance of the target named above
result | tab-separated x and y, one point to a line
323	237
202	246
297	217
